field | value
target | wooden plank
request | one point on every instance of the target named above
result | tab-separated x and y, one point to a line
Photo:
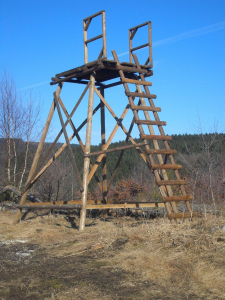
171	182
133	81
156	137
115	149
178	198
183	215
147	122
149	96
167	167
161	151
145	108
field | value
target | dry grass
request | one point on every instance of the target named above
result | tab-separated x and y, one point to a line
144	259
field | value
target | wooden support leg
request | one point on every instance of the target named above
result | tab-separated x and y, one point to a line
104	178
87	151
38	152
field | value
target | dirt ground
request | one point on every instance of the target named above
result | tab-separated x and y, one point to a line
46	257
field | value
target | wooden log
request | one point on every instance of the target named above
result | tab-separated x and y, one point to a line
155	137
94	15
145	108
139	26
149	96
94	206
167	167
161	151
93	39
47	206
171	182
133	33
87	150
147	122
139	47
164	190
98	160
38	153
104	160
183	215
178	198
125	205
133	81
115	149
75	167
104	34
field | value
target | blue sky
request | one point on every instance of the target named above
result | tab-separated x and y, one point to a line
41	38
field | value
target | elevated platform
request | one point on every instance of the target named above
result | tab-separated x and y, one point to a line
104	69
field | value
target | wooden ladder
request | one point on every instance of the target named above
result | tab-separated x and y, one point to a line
160	156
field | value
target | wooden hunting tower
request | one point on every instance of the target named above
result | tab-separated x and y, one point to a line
154	147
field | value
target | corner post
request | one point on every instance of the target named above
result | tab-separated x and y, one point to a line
87	151
104	170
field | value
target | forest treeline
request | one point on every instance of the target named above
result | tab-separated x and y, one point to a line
202	157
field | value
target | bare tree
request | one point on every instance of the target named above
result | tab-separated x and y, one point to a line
205	164
18	119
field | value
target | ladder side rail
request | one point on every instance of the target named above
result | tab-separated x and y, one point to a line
161	130
156	173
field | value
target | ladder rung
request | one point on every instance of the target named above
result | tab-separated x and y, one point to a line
167	167
140	82
155	137
161	151
143	95
146	108
149	122
171	182
183	215
177	198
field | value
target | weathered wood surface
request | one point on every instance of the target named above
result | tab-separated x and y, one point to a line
145	108
115	149
93	206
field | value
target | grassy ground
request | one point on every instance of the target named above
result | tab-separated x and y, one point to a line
46	257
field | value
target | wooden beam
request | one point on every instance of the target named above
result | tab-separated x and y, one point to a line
104	159
150	122
115	149
155	137
161	151
94	206
38	153
145	108
149	96
68	143
133	81
87	151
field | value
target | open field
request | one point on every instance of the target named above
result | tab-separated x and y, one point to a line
46	257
